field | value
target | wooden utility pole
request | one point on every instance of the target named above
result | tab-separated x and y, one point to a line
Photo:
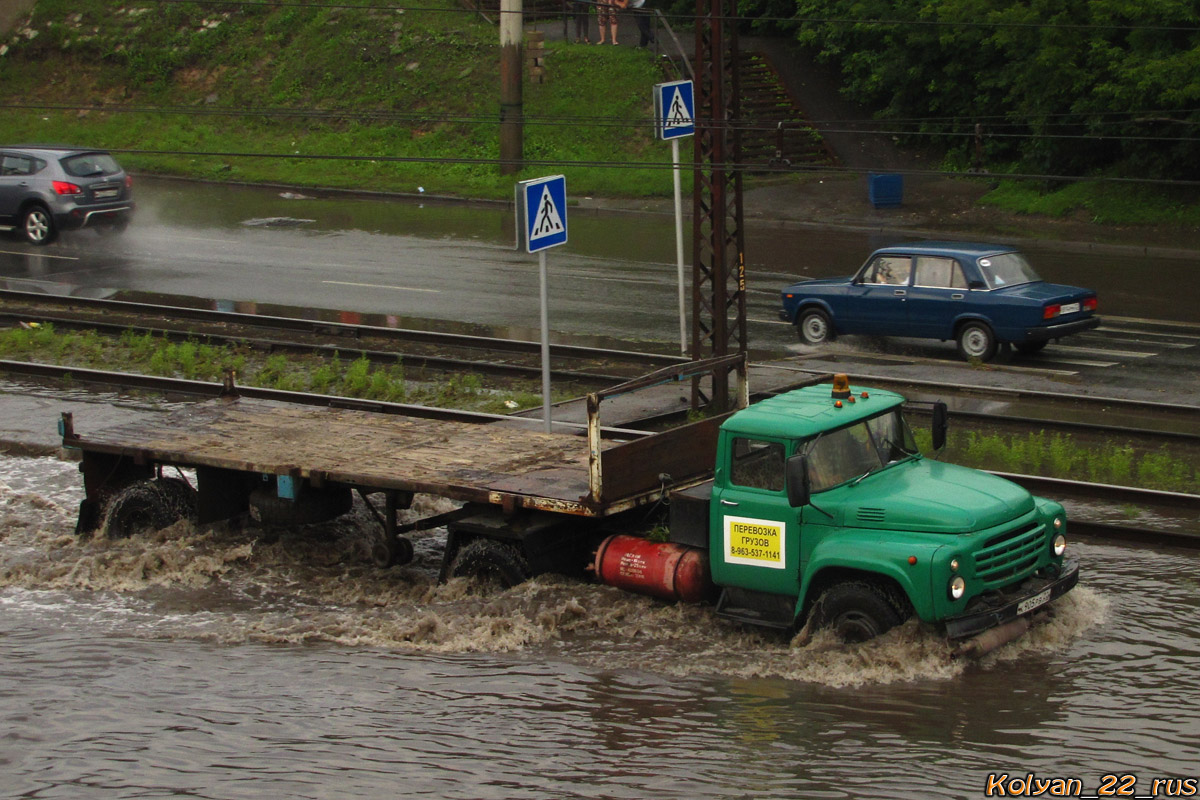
512	134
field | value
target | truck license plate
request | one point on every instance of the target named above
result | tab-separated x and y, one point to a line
1069	308
1030	603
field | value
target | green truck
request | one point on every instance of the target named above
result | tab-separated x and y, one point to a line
822	512
810	509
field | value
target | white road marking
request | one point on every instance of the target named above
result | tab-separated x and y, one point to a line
1136	340
1140	332
383	286
1079	362
40	255
1103	353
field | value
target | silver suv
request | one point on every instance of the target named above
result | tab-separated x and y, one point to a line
44	190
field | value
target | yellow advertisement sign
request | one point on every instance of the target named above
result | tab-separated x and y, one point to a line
754	542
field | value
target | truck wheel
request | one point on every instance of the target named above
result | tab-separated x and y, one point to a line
37	226
490	561
1029	348
856	611
813	326
976	340
138	508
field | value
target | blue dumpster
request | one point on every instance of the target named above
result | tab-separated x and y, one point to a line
885	190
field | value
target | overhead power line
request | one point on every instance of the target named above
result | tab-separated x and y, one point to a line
650	165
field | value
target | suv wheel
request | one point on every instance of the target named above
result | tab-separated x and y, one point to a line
37	226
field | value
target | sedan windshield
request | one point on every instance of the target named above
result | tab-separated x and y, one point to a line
1006	269
853	452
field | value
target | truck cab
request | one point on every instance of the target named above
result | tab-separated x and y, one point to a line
823	513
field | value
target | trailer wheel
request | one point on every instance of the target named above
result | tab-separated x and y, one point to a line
138	508
180	495
396	553
490	561
856	611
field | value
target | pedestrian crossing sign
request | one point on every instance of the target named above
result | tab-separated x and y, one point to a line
542	212
674	109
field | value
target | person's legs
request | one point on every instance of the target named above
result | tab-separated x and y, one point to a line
645	35
602	13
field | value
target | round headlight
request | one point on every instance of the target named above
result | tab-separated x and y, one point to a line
957	587
1060	544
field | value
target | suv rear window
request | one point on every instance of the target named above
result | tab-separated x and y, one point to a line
86	165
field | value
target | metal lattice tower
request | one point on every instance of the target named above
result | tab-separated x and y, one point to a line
718	242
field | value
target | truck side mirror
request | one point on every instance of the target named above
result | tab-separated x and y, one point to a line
796	479
941	422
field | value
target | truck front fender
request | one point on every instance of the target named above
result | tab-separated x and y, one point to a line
871	555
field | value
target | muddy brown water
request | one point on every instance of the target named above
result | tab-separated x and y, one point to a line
214	665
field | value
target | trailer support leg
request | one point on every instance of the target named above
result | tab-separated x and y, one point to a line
390	549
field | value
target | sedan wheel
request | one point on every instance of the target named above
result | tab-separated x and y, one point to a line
813	326
38	226
976	341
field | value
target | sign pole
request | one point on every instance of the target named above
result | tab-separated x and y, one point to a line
674	118
679	246
542	223
545	340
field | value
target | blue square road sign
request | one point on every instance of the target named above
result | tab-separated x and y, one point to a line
542	212
674	109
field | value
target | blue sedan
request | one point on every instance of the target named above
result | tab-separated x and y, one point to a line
979	295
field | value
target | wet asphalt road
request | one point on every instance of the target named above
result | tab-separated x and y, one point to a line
421	264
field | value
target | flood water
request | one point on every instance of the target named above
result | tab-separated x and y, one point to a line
214	665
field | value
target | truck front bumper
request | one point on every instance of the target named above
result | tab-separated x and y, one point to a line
1031	595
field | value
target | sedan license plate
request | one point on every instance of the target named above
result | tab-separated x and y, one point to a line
1030	603
104	194
1069	308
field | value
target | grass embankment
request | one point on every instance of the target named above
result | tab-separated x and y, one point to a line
193	360
1100	203
1061	455
324	95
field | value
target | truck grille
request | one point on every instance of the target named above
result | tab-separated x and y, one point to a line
1009	556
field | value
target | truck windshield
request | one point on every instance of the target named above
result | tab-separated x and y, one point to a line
849	453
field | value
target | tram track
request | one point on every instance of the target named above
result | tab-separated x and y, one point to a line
434	350
1156	503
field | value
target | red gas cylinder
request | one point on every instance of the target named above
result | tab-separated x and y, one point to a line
660	569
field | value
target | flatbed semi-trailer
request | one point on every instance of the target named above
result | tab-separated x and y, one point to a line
288	463
813	508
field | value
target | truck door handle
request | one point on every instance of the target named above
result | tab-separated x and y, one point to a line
900	293
956	296
725	502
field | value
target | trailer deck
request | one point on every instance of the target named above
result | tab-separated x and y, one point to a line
460	460
500	461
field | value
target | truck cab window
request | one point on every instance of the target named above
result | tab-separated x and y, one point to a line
848	453
757	464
